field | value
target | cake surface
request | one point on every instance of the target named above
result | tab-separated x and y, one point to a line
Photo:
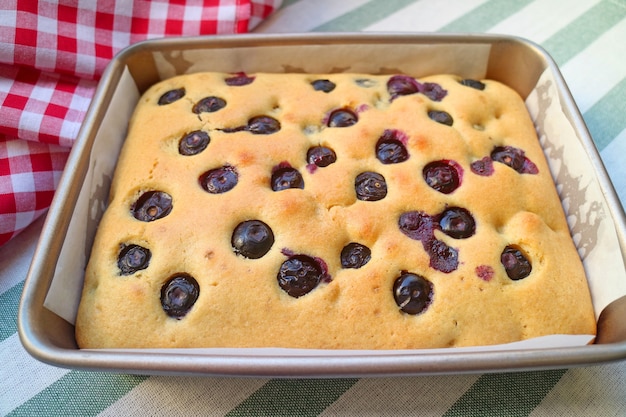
332	211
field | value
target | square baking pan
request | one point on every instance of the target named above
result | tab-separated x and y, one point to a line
54	282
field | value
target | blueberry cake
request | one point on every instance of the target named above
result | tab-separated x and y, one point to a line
335	211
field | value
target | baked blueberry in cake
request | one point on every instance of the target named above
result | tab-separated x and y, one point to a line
331	211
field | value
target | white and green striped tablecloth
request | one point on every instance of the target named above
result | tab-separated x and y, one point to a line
587	38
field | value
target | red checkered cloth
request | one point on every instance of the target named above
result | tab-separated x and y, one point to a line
52	53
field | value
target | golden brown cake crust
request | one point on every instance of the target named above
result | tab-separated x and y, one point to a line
240	303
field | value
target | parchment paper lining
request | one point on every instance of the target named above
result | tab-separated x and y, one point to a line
592	227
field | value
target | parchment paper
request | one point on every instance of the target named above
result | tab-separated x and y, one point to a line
587	211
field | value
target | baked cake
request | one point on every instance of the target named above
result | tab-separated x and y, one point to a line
341	211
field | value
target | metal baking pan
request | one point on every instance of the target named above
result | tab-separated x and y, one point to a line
49	335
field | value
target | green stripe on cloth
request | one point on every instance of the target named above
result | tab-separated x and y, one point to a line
507	394
286	3
9	302
78	393
581	32
293	397
485	16
605	119
363	16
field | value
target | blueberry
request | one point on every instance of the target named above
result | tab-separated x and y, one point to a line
171	96
514	158
443	176
219	180
433	91
370	186
179	294
515	263
473	83
509	156
402	85
285	178
323	85
238	80
263	125
413	293
152	205
342	118
209	105
355	255
442	257
457	223
133	258
441	117
482	167
299	275
252	239
193	142
417	225
390	149
257	125
420	226
321	156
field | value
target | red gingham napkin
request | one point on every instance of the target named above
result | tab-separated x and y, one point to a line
52	53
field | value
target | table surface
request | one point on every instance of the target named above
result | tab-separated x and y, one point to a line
585	37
